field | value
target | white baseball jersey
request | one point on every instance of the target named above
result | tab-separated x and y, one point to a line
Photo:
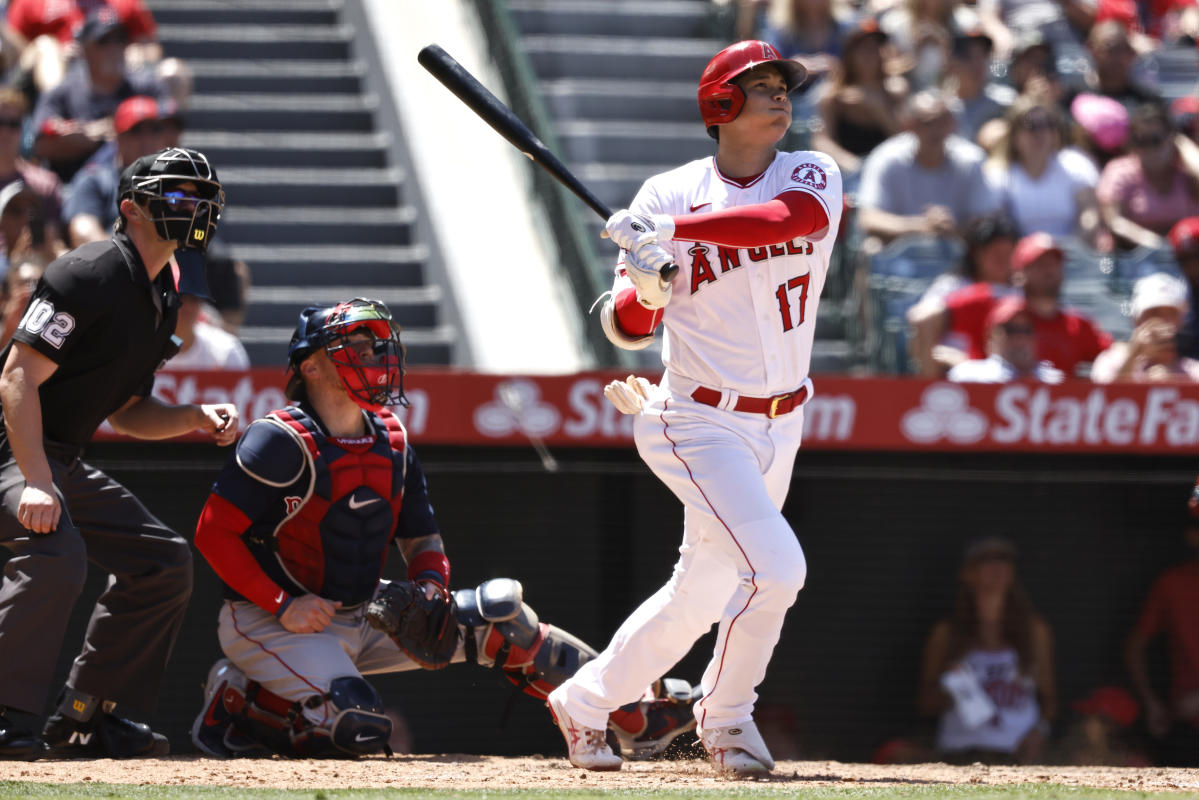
744	319
1016	708
741	322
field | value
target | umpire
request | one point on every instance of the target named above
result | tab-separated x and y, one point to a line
100	322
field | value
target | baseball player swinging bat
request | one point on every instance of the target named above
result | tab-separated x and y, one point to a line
481	101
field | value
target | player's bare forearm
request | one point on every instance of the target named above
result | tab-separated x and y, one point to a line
150	418
24	371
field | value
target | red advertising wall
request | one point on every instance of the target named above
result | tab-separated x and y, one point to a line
463	408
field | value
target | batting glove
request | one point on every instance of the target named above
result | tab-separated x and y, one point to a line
630	231
629	395
644	268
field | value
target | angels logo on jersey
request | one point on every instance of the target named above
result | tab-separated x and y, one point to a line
810	175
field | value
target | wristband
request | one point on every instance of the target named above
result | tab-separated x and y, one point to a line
431	565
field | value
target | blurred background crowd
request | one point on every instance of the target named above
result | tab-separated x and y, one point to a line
1037	151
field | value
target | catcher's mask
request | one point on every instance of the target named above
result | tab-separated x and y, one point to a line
364	345
190	217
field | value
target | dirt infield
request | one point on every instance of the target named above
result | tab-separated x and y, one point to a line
481	772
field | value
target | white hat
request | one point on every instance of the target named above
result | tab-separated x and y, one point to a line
1158	290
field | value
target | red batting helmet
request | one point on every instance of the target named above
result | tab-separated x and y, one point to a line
720	100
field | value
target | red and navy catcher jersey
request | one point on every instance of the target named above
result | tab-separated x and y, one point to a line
323	510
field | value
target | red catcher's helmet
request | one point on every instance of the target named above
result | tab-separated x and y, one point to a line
720	100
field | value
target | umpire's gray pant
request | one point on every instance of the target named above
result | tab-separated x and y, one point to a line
134	623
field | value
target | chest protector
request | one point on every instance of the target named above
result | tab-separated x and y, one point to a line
334	539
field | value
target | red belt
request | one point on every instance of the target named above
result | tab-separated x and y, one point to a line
770	406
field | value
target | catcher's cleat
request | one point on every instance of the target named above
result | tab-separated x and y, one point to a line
737	750
17	742
646	728
587	748
104	736
213	731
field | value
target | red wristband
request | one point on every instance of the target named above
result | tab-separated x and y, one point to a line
430	566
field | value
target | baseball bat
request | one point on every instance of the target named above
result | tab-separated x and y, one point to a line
478	99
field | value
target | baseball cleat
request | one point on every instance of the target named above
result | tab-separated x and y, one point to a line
587	748
737	750
17	742
213	732
104	736
646	728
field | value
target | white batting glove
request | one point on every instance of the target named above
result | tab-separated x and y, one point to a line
629	395
630	231
644	269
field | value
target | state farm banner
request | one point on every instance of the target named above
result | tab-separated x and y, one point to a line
462	408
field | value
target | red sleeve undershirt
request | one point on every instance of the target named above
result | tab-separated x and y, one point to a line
218	538
789	216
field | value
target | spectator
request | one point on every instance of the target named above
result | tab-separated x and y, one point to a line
810	31
19	282
48	28
1184	113
1099	732
968	78
1112	60
42	182
22	229
1043	185
1011	349
1058	21
926	180
987	265
1184	240
74	118
1172	610
1145	192
203	345
1100	127
1159	305
922	31
92	196
987	671
1064	338
859	106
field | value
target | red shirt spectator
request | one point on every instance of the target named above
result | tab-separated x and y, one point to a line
1064	338
61	18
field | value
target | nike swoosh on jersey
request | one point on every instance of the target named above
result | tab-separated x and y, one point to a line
358	737
698	207
355	504
279	599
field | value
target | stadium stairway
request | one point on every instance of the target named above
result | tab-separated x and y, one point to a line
619	79
317	208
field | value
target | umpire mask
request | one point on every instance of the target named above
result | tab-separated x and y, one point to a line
187	215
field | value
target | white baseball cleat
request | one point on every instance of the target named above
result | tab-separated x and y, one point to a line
586	748
738	750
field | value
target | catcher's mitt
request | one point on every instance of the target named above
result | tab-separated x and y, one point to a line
426	629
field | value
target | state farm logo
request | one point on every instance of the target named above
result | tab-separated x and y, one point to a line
944	413
517	407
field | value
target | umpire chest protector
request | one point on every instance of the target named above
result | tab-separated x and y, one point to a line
333	540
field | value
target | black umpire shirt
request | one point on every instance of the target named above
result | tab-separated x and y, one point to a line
96	314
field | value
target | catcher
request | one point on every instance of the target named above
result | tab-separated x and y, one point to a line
297	527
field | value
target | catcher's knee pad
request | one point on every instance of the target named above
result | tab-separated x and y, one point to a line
352	724
534	656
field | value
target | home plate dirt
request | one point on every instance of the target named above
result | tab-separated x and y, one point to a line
533	772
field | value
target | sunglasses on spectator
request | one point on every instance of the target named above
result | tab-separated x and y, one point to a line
1036	123
1148	140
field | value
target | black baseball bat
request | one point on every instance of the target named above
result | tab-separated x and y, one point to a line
478	99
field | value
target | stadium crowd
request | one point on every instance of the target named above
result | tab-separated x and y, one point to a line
85	91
